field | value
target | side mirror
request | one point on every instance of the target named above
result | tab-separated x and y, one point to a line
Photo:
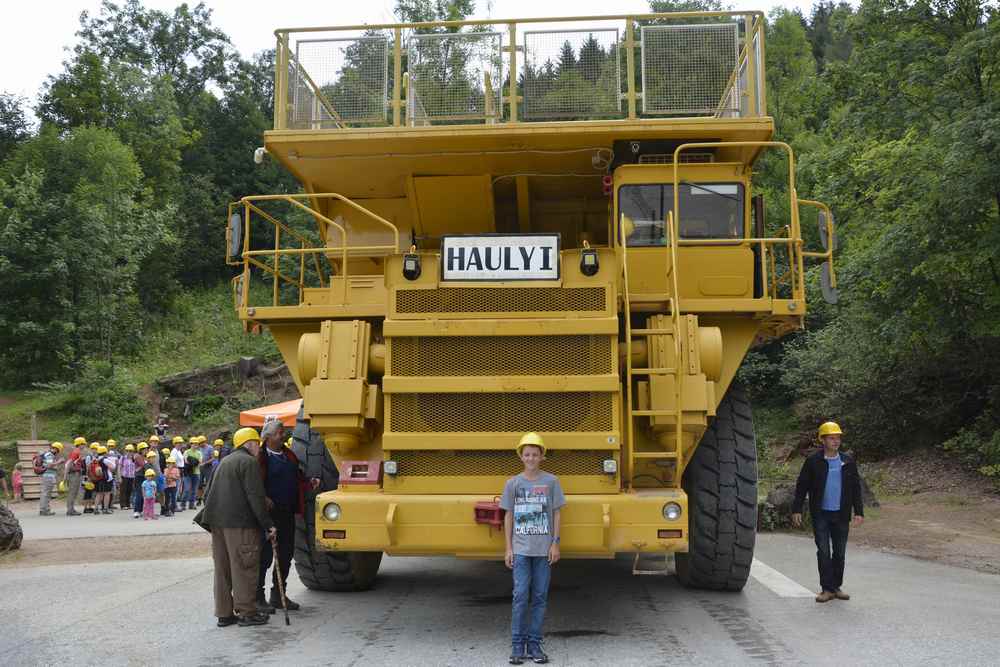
235	234
827	233
830	293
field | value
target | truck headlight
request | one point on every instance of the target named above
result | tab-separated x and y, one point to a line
671	511
390	467
331	511
610	466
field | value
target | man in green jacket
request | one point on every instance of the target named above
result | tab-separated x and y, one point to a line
235	514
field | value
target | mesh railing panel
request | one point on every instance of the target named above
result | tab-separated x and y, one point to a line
500	413
500	355
571	74
454	77
687	69
432	463
501	300
338	82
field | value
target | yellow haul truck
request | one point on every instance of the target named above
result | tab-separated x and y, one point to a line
526	225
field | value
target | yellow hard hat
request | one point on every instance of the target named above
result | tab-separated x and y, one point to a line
150	473
171	459
130	447
193	440
219	442
150	455
95	445
245	435
165	451
141	446
530	438
79	441
154	438
62	486
202	438
88	485
57	445
112	442
102	450
177	440
829	428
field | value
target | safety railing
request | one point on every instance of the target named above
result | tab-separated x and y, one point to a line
328	263
681	64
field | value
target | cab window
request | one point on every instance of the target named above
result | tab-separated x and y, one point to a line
707	211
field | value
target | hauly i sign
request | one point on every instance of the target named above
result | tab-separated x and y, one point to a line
500	257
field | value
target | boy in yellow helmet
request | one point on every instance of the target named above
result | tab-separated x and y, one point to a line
532	501
830	478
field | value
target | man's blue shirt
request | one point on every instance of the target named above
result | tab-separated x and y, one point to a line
831	494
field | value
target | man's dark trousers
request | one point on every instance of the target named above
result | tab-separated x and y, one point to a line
830	531
284	521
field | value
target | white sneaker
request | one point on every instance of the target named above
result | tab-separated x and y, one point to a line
135	515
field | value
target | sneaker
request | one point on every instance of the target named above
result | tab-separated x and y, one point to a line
275	601
135	515
825	596
517	655
537	654
73	513
256	618
45	513
837	593
226	621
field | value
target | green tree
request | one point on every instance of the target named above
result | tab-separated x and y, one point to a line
14	127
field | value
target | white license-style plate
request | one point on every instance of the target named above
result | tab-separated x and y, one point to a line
500	257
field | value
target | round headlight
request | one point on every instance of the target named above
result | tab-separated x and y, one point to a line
671	511
331	512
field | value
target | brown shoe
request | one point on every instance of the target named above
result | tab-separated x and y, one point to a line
825	596
841	595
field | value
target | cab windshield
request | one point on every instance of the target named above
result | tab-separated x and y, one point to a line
707	211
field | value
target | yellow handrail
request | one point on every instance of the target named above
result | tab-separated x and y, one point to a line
248	257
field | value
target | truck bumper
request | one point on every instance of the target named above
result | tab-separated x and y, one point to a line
592	526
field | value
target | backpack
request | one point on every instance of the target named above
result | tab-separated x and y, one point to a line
95	472
38	463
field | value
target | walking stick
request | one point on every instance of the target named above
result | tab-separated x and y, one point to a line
281	584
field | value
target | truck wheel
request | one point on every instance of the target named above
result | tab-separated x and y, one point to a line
721	484
325	571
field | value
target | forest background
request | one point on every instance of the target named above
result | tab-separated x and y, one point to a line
112	209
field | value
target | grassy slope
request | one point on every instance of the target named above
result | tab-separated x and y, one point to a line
202	330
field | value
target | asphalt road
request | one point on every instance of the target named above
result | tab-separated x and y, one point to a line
444	611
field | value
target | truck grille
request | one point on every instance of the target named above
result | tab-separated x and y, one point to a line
501	300
504	413
500	355
435	463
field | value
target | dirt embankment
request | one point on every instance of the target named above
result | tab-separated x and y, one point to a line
933	508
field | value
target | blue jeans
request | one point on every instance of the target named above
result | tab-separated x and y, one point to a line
830	531
531	594
192	490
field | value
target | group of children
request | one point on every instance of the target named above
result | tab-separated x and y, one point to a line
100	474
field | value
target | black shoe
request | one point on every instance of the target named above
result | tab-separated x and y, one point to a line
518	655
46	513
226	621
276	601
256	618
537	654
88	510
263	606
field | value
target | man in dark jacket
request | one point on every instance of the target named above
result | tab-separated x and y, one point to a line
831	480
285	486
236	515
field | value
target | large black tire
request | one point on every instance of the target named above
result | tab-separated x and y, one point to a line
721	484
326	571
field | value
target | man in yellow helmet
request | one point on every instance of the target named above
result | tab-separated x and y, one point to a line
830	478
47	466
235	513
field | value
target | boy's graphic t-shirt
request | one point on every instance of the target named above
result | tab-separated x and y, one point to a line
532	502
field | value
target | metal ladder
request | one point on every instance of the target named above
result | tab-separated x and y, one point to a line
676	371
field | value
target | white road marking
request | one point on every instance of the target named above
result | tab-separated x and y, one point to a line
777	582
